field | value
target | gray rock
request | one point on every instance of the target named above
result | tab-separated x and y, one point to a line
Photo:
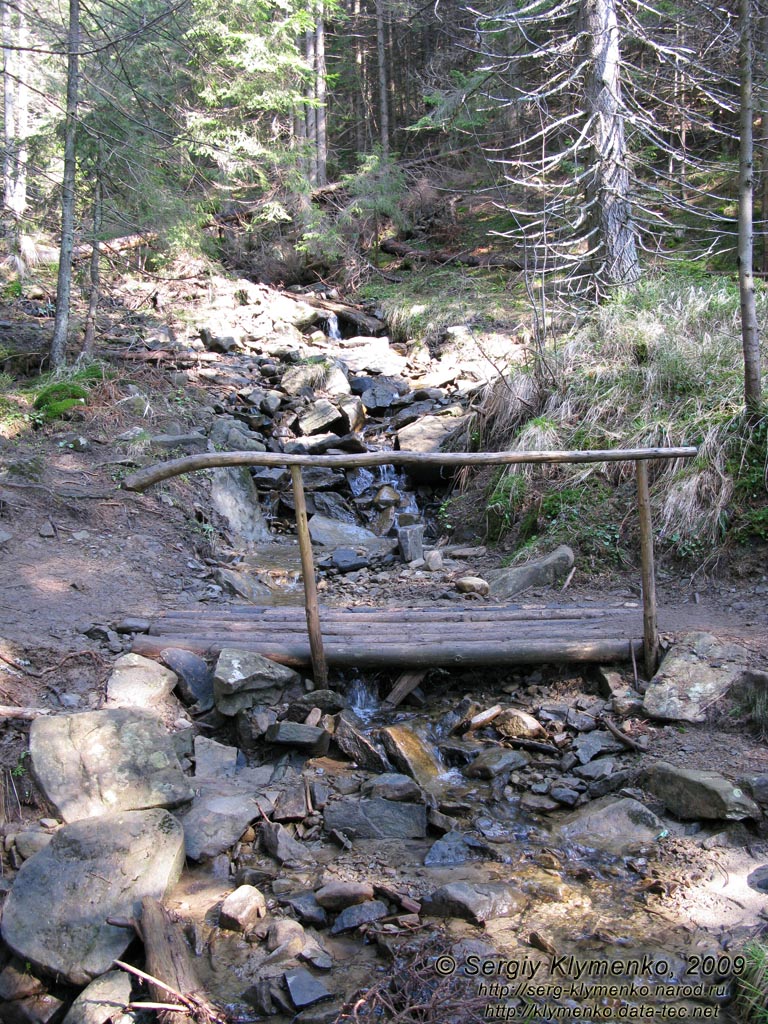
507	583
241	677
564	795
322	415
214	759
590	745
393	786
243	909
280	844
220	813
338	895
56	913
477	903
371	355
688	794
361	749
304	988
515	723
697	671
103	1001
331	533
28	843
103	761
139	682
411	542
611	825
408	752
194	678
376	819
234	496
454	848
361	913
296	734
757	786
495	761
243	584
334	506
353	411
594	770
306	908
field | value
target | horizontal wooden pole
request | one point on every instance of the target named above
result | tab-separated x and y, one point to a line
419	655
150	475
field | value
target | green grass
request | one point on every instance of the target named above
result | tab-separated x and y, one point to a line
751	998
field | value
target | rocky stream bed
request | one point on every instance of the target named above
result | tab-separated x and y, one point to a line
548	844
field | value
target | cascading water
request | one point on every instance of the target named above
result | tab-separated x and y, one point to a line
332	327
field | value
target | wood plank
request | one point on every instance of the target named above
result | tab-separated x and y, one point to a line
294	613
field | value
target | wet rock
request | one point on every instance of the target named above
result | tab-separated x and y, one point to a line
330	533
194	678
472	585
139	682
495	761
280	844
242	584
507	583
477	903
304	988
453	849
243	909
234	496
220	812
590	745
334	507
518	724
611	825
697	671
56	913
538	803
241	677
214	759
306	908
410	754
361	913
376	819
338	895
103	1001
345	560
689	794
303	737
393	786
359	747
102	761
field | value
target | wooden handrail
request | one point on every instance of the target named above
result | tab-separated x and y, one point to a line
150	475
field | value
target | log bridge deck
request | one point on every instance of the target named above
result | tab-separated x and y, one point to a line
417	637
369	638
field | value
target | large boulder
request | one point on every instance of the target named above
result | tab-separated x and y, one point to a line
98	762
611	825
94	870
698	670
543	572
689	793
242	679
235	498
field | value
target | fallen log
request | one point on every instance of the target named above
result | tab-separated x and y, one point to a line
115	245
443	256
364	322
9	711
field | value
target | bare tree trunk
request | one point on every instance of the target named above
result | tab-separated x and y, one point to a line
750	335
64	282
95	293
614	247
321	89
383	80
359	101
310	106
16	113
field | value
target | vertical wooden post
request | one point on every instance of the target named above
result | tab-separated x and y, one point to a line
650	624
319	664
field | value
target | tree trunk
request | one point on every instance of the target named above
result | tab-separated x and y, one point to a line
64	282
95	294
383	80
321	88
16	114
613	247
750	336
311	111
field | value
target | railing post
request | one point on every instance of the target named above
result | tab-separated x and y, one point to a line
319	664
650	623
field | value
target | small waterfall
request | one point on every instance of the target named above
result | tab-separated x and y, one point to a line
332	327
363	699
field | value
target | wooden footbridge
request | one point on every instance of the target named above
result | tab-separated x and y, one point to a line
415	637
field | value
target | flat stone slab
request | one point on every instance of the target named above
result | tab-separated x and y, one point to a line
334	534
478	903
611	825
689	794
221	811
507	583
99	868
98	762
376	819
138	682
697	671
